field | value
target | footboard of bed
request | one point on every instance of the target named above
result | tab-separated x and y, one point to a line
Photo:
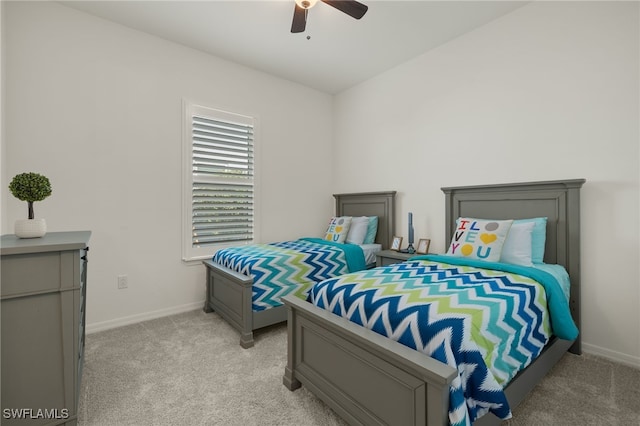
229	294
372	380
363	376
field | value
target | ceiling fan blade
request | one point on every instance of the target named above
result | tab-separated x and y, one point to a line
299	20
350	7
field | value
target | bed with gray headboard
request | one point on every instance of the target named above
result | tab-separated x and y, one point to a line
400	385
229	293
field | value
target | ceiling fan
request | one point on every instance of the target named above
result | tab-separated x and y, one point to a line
350	7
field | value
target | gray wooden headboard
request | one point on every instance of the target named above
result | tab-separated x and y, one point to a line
381	204
558	201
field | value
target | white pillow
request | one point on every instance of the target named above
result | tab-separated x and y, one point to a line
358	230
517	247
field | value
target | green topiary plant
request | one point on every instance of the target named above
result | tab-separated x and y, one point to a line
30	187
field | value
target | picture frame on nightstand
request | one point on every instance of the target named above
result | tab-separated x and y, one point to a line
396	243
423	246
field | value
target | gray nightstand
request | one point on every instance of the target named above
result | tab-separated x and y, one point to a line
389	257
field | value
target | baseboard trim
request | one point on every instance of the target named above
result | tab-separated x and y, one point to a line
133	319
618	357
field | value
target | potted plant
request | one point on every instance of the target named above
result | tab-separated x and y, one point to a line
30	187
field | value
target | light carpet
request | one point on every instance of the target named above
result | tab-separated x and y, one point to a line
189	369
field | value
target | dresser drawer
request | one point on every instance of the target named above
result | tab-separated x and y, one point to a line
29	273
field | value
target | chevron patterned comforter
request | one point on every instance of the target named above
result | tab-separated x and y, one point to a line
291	266
487	320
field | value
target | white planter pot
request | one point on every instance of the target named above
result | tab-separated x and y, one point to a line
30	228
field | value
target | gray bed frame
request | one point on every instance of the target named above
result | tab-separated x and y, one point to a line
229	293
371	380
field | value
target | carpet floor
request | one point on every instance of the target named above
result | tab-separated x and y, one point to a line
188	369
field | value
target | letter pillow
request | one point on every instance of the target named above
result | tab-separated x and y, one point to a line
480	239
338	229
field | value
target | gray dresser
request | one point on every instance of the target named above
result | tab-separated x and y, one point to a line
43	298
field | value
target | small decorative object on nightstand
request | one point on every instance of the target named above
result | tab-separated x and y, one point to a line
396	243
423	246
410	248
389	257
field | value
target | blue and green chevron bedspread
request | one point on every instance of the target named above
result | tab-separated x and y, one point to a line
290	266
487	323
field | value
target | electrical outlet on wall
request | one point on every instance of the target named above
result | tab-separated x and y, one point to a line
123	281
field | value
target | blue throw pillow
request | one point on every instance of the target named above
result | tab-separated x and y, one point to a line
538	237
372	230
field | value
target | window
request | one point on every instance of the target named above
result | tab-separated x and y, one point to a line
218	181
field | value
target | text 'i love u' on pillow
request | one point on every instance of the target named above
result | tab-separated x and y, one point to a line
338	229
479	238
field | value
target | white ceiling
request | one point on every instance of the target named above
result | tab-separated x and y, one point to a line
341	51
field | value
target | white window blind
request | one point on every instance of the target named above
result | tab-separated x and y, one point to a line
221	172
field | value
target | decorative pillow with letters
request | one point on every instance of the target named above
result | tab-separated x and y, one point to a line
338	229
480	239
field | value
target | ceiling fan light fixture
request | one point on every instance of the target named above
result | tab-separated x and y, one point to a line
353	8
306	4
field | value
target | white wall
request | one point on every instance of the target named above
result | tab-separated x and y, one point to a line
547	92
97	108
3	157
